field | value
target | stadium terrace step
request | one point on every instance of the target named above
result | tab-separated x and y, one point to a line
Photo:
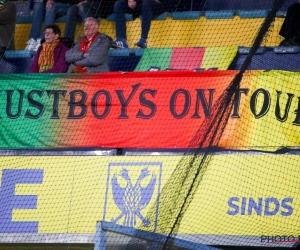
246	50
63	19
281	13
137	52
19	54
186	15
112	17
118	52
252	13
219	14
287	50
276	58
163	16
24	19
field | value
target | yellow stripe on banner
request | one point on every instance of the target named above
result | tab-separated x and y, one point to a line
266	129
218	57
181	33
76	190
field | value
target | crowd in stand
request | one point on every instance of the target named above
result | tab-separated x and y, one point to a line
47	10
90	53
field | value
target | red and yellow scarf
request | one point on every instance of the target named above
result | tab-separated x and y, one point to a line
46	58
2	2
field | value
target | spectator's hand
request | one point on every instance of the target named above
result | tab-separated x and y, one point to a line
132	4
49	4
82	2
159	1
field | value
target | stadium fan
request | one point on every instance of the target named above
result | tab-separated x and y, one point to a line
46	12
290	29
50	57
8	13
148	9
85	9
90	54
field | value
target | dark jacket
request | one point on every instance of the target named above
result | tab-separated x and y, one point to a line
97	59
60	65
7	25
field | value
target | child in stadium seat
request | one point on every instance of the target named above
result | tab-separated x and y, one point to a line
50	57
8	13
45	11
85	9
90	54
290	29
148	9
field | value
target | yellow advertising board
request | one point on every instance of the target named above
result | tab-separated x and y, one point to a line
246	194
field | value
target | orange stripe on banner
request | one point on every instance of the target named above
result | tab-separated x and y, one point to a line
187	58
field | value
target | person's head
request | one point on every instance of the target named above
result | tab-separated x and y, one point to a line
52	33
91	27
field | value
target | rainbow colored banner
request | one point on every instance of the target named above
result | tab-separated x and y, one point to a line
146	110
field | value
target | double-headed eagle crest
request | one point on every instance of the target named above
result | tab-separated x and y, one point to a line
132	199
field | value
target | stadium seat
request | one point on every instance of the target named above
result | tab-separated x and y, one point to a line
155	57
15	65
186	58
122	62
18	61
270	60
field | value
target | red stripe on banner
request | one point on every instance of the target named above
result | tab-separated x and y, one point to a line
187	58
143	110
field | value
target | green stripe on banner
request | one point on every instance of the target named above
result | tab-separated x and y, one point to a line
155	57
